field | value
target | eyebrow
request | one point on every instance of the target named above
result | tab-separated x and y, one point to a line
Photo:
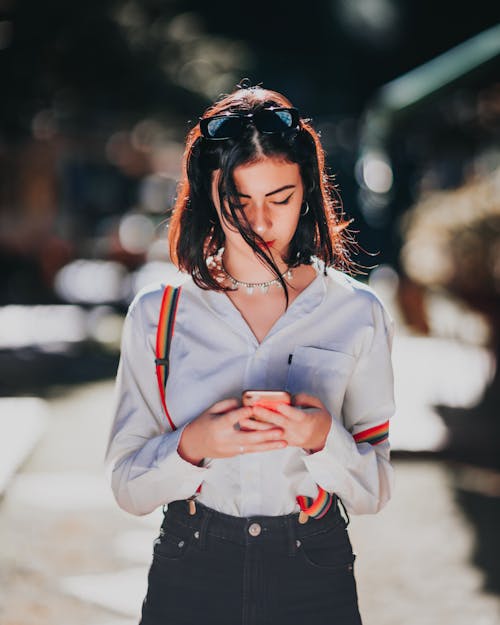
287	186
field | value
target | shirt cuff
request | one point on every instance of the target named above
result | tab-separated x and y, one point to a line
168	458
328	465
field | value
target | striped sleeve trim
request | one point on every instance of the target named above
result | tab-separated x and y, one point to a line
316	507
374	435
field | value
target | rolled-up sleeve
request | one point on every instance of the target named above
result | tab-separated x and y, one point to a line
355	461
146	468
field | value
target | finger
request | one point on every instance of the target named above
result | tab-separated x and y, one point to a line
268	446
255	437
225	405
270	416
307	401
286	413
238	414
253	424
292	413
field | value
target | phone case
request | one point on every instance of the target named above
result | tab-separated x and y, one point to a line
266	399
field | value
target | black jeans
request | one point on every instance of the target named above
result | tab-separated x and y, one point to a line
218	569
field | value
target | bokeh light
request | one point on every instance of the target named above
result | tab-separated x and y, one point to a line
90	281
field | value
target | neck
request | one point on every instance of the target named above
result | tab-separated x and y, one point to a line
250	268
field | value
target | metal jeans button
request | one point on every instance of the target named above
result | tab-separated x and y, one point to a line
254	529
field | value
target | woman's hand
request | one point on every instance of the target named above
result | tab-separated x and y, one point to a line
301	429
225	430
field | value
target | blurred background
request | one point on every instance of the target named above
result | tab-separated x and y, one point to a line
96	100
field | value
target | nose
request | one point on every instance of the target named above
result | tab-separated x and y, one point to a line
259	219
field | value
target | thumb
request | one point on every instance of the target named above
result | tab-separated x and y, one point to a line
307	401
225	405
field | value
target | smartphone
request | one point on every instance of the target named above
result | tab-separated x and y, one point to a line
266	399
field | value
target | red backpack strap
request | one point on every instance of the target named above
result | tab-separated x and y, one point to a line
164	335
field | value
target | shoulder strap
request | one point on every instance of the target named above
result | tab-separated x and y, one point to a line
164	335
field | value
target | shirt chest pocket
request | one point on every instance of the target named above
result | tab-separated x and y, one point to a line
323	373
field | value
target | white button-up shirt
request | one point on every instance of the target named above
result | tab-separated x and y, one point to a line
334	342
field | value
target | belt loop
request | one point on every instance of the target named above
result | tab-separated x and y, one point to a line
292	544
206	516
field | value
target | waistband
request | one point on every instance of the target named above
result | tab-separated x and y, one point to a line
247	530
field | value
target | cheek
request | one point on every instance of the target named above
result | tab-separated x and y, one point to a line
292	220
294	211
231	232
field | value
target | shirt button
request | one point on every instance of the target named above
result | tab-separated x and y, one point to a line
254	529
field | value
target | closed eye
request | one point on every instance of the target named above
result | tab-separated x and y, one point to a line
285	201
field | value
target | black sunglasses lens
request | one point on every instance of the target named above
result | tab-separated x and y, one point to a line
267	121
223	127
274	121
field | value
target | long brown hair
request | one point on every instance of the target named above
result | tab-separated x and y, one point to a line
195	232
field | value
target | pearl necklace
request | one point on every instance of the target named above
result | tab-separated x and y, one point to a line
251	286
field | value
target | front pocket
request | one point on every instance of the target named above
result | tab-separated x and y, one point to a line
329	550
323	373
170	547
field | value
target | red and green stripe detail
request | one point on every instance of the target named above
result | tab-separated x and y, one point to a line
374	435
318	507
164	335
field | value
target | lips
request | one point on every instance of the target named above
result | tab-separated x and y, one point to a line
267	244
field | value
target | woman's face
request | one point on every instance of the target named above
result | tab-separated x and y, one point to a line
270	192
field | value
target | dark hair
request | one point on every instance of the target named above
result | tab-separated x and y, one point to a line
195	232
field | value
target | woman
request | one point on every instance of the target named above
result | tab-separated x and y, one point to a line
253	531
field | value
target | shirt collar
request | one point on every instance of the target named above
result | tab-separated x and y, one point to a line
310	298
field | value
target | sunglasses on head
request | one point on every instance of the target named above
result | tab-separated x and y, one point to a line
267	121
